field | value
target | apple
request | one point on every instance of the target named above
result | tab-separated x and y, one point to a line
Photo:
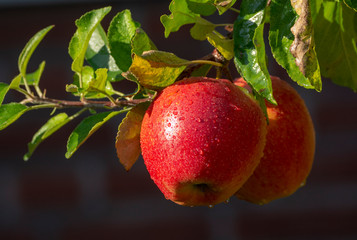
201	138
289	150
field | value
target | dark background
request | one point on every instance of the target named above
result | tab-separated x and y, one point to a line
91	196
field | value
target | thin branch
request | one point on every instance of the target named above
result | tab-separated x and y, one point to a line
56	103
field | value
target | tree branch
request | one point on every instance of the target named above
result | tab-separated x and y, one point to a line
57	103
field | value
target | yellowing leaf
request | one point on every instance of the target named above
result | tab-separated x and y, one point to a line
128	138
157	69
303	47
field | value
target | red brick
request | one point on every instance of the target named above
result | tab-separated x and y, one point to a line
171	229
318	224
16	234
48	190
136	182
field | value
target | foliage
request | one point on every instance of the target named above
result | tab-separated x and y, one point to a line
305	38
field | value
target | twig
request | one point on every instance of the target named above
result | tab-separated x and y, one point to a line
56	103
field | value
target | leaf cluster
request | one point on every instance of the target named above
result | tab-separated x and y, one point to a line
309	39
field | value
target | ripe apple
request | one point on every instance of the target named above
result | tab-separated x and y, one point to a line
201	139
289	149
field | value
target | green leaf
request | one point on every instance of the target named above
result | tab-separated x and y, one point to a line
10	112
224	46
51	126
15	83
86	25
34	78
282	18
303	46
315	8
94	83
86	128
180	15
224	5
249	47
99	83
99	87
3	90
201	28
128	138
201	7
336	40
352	4
98	54
141	42
201	71
30	47
157	69
120	33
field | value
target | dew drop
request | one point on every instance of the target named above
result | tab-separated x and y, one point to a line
168	103
201	152
199	120
236	108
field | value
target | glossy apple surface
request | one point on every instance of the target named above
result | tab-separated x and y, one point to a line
289	150
201	139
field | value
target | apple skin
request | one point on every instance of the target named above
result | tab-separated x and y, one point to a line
201	139
289	150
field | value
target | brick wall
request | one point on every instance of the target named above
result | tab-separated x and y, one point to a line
91	196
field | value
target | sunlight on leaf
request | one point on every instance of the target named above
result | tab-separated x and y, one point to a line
128	138
30	47
157	69
282	19
303	46
51	126
10	112
86	128
86	25
249	48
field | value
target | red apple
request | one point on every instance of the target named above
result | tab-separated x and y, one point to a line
289	149
201	139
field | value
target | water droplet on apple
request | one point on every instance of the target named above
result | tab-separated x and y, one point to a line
199	120
227	89
201	152
168	103
236	108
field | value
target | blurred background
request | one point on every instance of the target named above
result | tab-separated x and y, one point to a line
91	196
